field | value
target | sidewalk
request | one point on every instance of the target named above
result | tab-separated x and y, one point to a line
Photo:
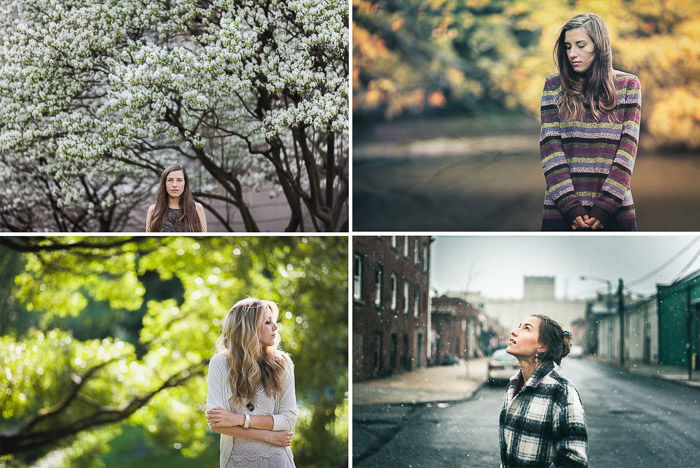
676	374
424	385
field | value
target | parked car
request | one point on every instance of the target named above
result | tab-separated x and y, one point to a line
502	366
576	352
449	360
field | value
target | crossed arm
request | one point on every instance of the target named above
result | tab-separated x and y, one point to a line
227	423
274	429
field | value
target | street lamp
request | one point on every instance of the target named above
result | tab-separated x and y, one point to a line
608	302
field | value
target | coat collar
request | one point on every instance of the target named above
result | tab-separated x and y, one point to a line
534	380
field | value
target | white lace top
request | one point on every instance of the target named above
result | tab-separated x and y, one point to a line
244	453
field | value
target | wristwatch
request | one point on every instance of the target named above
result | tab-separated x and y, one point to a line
246	422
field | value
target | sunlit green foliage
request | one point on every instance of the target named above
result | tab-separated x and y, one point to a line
414	56
147	367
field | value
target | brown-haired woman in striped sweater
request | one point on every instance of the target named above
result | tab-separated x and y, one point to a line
589	133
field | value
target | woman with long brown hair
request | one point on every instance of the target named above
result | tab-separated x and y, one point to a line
175	209
589	134
251	400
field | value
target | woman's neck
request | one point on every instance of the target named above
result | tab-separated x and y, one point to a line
173	202
528	365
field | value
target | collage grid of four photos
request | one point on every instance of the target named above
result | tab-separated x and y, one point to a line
325	233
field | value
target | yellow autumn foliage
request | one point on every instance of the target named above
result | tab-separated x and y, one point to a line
485	54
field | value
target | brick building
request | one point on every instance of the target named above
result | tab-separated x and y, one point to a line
455	328
390	304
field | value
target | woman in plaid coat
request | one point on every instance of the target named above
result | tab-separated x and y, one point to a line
542	422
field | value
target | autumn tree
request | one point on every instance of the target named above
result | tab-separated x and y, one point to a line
417	57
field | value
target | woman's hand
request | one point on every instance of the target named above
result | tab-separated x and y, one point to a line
219	417
279	438
580	223
594	224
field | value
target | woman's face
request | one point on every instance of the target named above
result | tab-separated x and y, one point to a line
175	183
525	339
268	330
580	49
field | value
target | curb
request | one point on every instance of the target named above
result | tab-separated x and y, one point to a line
431	402
685	383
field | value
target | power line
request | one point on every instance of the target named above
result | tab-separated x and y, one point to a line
680	275
665	264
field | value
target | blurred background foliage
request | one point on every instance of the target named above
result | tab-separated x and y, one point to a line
104	343
450	57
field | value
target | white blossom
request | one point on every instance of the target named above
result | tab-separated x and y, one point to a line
92	89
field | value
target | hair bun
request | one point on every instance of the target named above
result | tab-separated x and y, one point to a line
567	343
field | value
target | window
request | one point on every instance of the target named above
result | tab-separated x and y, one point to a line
416	301
357	278
405	297
405	246
377	353
394	292
425	257
378	284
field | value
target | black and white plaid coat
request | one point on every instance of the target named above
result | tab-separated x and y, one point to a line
544	424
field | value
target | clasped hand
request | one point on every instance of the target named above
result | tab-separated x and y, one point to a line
586	222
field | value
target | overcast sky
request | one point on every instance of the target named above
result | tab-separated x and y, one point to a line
496	265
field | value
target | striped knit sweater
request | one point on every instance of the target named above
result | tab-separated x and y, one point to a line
588	164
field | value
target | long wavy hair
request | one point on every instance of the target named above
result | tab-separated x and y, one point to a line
189	219
597	83
250	363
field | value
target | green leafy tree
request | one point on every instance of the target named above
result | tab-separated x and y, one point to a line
66	397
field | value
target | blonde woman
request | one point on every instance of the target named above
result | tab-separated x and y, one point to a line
250	396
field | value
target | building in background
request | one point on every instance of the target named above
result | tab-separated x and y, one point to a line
538	298
391	307
455	328
461	330
679	321
640	331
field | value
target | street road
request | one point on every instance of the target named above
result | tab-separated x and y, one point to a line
632	421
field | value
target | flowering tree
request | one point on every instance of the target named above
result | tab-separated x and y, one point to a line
247	92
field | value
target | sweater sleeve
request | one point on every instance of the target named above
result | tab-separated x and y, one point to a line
216	379
557	173
617	183
569	430
286	417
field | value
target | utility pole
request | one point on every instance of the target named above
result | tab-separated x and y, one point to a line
688	320
621	311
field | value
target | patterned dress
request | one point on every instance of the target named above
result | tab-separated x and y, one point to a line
170	223
254	453
588	164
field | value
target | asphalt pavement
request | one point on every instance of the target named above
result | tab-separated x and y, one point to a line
633	420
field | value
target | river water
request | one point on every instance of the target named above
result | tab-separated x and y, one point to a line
500	190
